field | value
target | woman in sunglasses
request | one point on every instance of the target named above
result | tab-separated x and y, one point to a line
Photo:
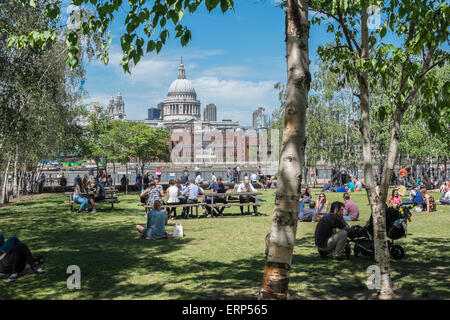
322	204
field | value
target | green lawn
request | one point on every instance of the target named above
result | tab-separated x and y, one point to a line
218	258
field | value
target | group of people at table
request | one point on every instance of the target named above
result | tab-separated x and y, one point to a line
88	192
188	193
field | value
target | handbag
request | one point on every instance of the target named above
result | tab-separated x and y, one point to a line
178	230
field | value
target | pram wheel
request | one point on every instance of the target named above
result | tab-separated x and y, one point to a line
348	250
397	252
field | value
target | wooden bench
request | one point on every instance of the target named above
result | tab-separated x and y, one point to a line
235	204
184	205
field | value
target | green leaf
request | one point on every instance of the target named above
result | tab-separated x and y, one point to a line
151	45
382	32
211	4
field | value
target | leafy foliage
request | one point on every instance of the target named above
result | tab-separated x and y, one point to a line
155	19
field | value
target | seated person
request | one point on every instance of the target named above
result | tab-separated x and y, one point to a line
351	210
15	257
304	200
309	214
327	186
358	185
322	204
198	179
172	194
268	183
326	238
156	223
194	191
78	196
351	186
412	195
344	188
262	181
99	190
217	187
445	198
152	193
430	204
418	201
244	188
395	198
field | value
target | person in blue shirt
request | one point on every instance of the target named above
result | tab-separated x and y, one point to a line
217	187
156	223
327	186
193	190
351	186
344	188
418	200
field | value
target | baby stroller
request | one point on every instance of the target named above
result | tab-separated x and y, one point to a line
396	228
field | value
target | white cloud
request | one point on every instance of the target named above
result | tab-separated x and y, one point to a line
227	71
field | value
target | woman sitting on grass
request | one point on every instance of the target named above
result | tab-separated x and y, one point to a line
156	223
429	200
322	204
395	198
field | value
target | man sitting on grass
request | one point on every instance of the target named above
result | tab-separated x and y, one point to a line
326	238
156	223
351	210
309	214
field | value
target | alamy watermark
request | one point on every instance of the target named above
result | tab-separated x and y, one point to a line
227	146
374	17
374	280
74	280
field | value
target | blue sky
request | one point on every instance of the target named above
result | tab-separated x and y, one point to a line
233	61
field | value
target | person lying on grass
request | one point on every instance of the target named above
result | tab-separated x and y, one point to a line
156	223
15	257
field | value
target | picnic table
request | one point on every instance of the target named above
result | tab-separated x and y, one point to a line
212	205
110	197
233	202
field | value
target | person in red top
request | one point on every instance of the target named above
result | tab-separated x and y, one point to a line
395	198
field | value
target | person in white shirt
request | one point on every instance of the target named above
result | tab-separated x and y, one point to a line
213	178
172	194
246	187
254	178
445	198
198	179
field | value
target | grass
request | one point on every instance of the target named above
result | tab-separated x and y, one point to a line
219	258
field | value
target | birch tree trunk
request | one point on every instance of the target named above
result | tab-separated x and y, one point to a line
4	197
14	182
377	206
281	239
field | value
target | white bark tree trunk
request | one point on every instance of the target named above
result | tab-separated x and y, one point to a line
5	196
281	239
15	174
